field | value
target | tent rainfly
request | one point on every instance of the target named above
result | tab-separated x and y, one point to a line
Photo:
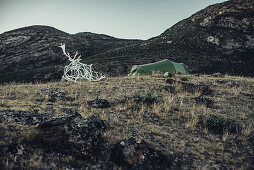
163	65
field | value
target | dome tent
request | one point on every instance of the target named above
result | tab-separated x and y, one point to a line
163	65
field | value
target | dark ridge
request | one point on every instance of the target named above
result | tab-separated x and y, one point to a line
219	38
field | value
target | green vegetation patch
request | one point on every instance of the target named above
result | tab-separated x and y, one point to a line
147	98
219	124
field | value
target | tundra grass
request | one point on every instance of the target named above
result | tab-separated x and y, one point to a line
142	107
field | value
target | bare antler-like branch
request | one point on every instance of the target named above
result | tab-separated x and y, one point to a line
77	70
66	54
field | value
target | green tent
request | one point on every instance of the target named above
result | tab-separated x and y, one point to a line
163	65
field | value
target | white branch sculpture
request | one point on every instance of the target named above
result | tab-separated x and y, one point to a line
78	71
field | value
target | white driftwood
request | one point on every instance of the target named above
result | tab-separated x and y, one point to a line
78	71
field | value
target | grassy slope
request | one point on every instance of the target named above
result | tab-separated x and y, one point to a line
170	126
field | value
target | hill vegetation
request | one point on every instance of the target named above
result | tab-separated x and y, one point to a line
191	122
32	53
218	38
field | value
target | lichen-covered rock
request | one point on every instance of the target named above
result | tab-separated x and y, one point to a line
66	133
170	81
205	101
170	89
99	102
53	91
251	139
20	117
72	135
218	75
221	81
136	154
54	94
184	79
193	87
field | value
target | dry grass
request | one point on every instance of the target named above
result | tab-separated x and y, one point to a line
171	125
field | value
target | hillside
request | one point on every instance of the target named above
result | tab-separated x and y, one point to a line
32	53
149	122
219	38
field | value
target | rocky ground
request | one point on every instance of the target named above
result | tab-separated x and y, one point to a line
148	122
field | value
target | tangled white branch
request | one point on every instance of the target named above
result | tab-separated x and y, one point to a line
78	71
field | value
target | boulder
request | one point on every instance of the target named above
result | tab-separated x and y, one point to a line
53	91
205	101
218	75
184	79
170	89
221	81
193	87
251	139
72	135
99	102
67	133
170	81
136	154
20	117
54	94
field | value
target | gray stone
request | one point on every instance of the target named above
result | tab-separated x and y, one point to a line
170	81
66	133
205	101
20	117
167	74
193	87
136	154
221	81
170	89
184	79
99	102
218	75
72	135
54	94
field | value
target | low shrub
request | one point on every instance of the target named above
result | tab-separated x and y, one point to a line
218	124
147	98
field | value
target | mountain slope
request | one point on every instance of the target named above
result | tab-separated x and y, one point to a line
32	53
219	38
